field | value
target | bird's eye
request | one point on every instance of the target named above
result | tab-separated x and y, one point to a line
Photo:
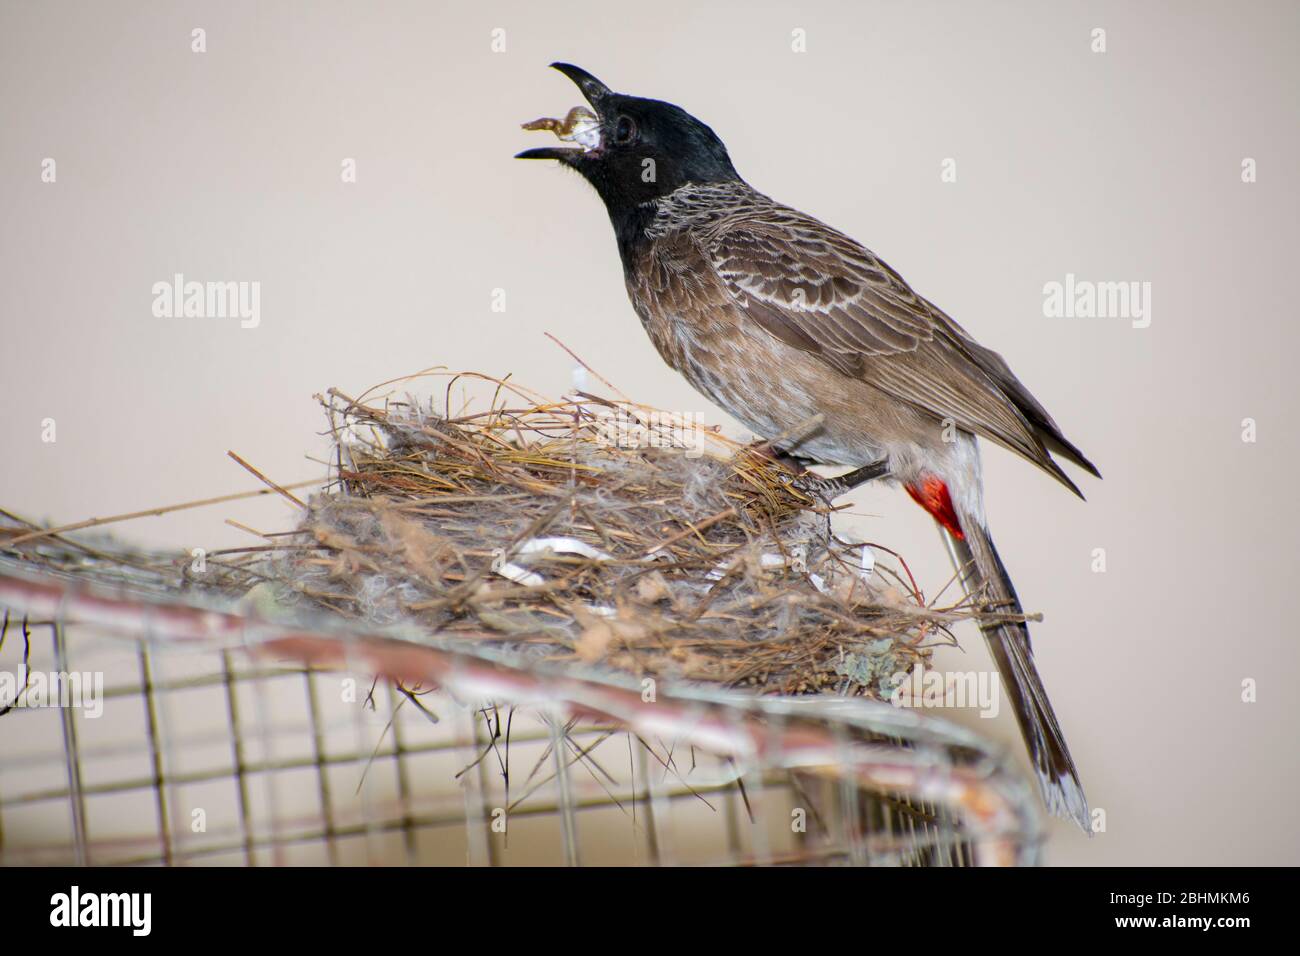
624	130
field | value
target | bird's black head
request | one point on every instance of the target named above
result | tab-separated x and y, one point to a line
632	150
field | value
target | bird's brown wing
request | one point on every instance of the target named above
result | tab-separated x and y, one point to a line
817	290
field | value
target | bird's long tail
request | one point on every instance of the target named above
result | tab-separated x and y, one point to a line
983	573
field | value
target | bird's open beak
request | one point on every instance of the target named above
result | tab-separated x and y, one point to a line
580	125
595	91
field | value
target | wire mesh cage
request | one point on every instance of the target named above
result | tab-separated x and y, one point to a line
155	728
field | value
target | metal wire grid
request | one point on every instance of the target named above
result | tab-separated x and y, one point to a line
211	751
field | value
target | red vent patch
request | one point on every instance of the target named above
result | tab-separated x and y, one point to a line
932	495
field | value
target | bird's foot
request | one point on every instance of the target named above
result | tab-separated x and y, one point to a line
828	489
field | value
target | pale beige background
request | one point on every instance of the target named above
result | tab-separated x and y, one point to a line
1115	166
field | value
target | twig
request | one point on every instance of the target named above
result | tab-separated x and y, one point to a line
152	512
574	355
257	474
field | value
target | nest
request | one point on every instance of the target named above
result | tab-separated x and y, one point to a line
588	531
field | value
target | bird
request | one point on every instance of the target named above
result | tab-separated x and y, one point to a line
815	344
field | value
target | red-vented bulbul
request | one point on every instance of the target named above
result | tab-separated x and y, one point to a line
779	318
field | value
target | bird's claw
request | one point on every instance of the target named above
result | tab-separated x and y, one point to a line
828	489
810	485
